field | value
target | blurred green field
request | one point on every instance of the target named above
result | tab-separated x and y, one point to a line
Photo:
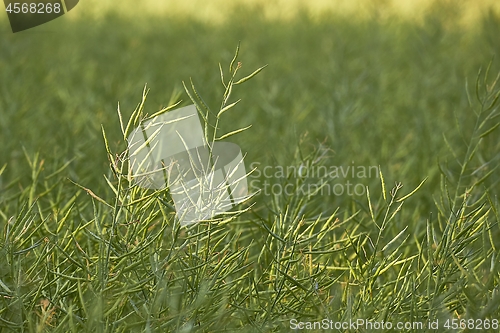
375	88
380	83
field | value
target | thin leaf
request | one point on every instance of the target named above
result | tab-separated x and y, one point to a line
234	58
222	76
121	120
246	78
92	194
227	107
382	182
489	131
394	239
233	133
166	109
412	192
